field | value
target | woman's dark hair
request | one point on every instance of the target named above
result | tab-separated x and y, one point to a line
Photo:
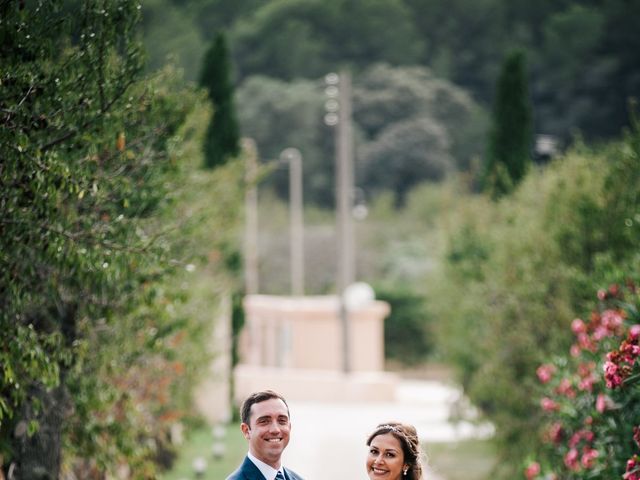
408	438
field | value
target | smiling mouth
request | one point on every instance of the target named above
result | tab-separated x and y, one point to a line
378	471
274	440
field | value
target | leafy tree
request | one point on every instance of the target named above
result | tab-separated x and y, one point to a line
300	38
170	38
464	41
278	115
417	127
567	78
90	336
517	272
217	15
404	155
509	146
584	86
389	104
223	138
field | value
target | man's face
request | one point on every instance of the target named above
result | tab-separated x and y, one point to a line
268	430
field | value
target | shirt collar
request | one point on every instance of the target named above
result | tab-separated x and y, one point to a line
267	470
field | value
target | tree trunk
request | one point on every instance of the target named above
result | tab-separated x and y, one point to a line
39	456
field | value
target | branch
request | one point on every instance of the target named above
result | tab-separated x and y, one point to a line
75	236
74	131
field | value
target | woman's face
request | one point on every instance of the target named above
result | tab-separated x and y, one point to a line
385	460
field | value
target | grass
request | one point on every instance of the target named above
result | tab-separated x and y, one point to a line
198	444
466	460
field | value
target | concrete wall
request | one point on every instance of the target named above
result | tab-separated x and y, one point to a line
295	345
306	332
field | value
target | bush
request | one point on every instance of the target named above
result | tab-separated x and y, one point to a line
516	272
591	398
407	331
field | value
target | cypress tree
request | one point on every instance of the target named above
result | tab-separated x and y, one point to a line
509	146
223	135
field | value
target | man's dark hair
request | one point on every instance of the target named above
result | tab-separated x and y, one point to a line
257	397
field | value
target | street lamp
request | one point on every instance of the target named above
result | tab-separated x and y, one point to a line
251	217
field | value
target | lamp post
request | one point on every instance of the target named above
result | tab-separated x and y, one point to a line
293	157
251	217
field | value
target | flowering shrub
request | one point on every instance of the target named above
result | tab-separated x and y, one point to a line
591	398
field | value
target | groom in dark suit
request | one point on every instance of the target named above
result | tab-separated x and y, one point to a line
266	426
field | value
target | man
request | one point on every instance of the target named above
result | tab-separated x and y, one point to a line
266	426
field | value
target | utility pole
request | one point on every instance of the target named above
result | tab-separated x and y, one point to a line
294	158
344	202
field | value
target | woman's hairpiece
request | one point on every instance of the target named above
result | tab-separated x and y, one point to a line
393	428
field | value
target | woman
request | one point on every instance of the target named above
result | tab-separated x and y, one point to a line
394	453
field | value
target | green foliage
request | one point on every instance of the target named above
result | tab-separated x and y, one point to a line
340	32
471	56
410	126
509	146
278	115
99	349
584	56
62	196
417	127
407	331
590	399
170	37
406	154
223	136
517	271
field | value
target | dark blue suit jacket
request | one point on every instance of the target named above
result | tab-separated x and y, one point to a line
249	471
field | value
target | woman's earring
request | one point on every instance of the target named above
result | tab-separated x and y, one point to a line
404	472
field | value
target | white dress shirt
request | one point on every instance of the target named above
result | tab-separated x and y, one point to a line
267	470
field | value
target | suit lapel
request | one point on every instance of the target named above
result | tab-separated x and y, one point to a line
288	475
250	471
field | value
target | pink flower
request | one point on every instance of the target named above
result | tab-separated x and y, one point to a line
601	403
636	435
602	294
634	332
575	439
585	343
612	375
566	389
629	351
575	350
580	435
586	384
612	319
545	372
633	469
585	369
549	405
555	433
588	457
532	470
578	326
601	332
571	459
